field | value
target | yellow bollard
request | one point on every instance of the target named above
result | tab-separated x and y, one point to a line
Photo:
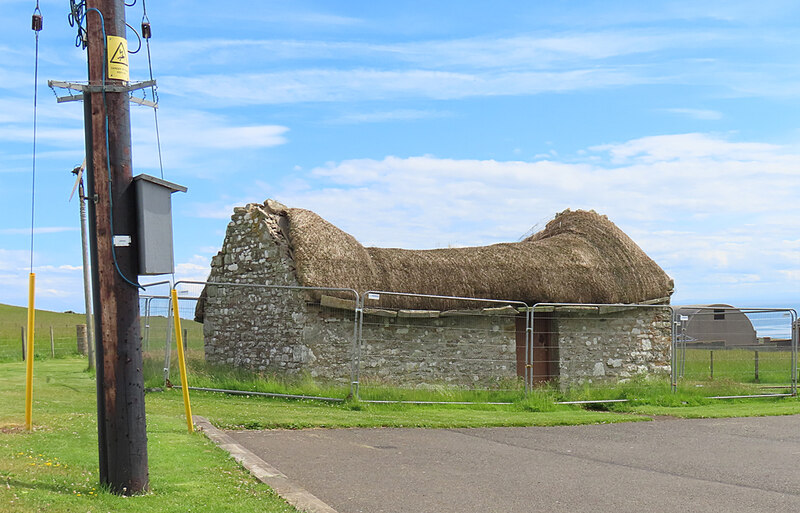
29	356
181	359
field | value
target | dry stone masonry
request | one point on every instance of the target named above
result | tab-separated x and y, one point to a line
612	345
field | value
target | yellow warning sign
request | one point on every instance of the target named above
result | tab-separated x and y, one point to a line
117	49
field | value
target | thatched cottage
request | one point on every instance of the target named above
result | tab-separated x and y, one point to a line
579	257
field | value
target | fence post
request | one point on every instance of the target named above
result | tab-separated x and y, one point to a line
52	344
711	363
22	332
756	357
185	339
182	361
82	335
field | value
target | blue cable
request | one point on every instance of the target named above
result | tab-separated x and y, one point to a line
108	149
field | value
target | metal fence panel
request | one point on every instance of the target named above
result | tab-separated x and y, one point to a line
594	345
752	347
268	338
389	346
449	345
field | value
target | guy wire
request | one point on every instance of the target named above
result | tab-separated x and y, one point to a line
36	28
146	34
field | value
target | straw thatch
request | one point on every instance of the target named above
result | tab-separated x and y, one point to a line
580	257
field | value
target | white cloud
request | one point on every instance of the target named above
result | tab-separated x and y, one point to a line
56	285
187	135
792	274
324	85
386	116
695	146
515	52
716	214
195	269
702	114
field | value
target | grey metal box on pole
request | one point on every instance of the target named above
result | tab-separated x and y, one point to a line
154	223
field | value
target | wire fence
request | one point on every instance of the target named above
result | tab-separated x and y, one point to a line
752	346
413	344
597	345
50	340
335	343
389	346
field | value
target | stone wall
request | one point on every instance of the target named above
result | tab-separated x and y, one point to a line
453	348
614	344
252	327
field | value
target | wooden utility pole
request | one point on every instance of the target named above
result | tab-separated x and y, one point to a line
122	436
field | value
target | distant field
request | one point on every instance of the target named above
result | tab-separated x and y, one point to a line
13	319
738	365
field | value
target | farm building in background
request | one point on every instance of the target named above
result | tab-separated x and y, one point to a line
719	324
579	257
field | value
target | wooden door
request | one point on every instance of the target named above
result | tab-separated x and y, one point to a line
545	354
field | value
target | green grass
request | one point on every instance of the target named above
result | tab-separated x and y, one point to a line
54	468
774	367
12	318
655	390
723	409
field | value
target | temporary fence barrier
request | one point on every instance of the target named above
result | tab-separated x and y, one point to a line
285	336
383	346
412	344
586	345
752	347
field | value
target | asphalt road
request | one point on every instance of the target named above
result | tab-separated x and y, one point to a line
739	465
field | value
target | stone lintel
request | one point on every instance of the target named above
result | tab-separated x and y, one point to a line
420	314
502	310
380	312
336	302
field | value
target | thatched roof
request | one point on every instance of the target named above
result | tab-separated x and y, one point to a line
579	257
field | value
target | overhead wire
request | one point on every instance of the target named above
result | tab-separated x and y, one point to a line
36	26
146	34
28	345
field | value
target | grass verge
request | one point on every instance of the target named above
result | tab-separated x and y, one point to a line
55	467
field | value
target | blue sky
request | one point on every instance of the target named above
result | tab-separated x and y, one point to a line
435	124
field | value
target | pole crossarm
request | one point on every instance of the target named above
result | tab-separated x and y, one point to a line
99	88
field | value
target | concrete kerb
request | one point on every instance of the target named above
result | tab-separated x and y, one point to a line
295	495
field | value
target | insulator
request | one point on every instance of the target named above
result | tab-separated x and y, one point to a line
146	30
36	22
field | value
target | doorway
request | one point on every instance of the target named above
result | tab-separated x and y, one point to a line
545	351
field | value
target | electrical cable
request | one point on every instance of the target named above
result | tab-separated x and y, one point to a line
146	34
137	37
108	149
36	26
77	11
